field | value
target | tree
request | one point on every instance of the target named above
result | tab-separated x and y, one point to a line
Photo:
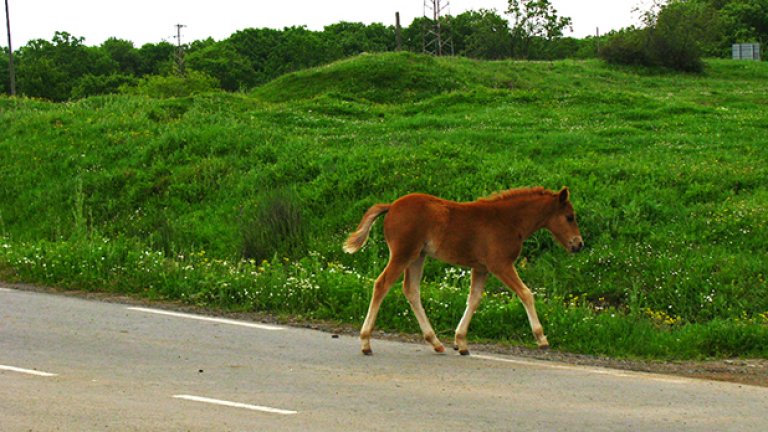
124	54
680	31
51	69
727	21
745	21
481	34
534	24
256	45
351	38
415	34
4	65
380	37
155	59
222	61
299	48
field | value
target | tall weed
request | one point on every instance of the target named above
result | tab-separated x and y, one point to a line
272	225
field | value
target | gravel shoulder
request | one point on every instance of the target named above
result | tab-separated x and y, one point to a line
741	371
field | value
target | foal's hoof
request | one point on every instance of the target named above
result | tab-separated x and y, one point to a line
368	351
464	352
440	349
544	347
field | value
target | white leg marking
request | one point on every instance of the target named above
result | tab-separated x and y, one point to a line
412	291
476	288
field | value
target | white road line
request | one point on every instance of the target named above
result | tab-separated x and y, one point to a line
5	289
594	370
205	318
236	404
26	371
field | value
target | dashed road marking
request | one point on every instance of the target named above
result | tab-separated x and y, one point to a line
26	371
208	319
259	408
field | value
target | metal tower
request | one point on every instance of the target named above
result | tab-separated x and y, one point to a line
179	54
437	41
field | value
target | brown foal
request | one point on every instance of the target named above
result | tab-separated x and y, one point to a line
486	235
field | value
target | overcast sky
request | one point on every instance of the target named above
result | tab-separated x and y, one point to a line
145	21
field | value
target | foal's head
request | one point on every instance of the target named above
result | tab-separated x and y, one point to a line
562	223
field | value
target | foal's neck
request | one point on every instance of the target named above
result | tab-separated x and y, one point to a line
530	214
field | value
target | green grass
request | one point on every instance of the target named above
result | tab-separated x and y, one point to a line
668	173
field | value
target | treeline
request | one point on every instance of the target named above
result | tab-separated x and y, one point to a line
66	68
676	34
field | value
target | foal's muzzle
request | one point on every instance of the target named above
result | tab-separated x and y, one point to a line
576	244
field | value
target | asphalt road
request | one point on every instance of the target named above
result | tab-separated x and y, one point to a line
68	364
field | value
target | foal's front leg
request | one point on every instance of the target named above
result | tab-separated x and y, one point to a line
509	276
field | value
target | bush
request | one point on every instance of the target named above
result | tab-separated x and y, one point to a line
673	39
92	85
628	46
174	85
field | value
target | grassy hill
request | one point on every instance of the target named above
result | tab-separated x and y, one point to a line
165	197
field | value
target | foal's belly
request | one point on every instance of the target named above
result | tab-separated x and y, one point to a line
452	255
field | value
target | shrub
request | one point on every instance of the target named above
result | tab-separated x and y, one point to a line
174	85
628	46
672	39
91	85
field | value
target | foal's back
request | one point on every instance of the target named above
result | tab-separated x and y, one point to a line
458	233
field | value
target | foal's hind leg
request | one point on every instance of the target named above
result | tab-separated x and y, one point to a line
473	300
380	289
510	278
412	291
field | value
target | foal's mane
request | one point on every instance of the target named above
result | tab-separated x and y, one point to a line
517	193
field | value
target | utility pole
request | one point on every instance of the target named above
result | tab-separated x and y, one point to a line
179	51
398	32
11	70
597	40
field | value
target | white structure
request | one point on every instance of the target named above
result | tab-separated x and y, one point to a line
746	51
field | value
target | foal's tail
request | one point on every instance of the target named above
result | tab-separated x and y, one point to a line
357	239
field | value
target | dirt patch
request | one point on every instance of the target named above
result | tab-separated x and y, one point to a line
742	371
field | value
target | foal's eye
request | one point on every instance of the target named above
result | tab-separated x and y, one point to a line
570	218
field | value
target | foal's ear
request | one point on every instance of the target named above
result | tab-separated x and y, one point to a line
564	194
